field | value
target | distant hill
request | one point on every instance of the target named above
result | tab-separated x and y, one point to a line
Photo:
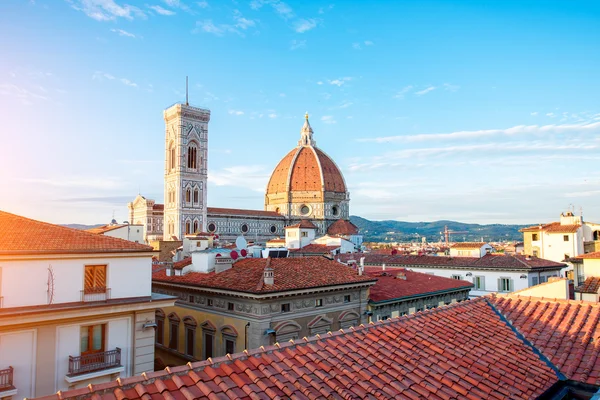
81	226
400	231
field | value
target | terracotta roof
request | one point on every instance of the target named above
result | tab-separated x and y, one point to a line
304	224
342	227
314	248
460	351
105	228
494	261
311	170
158	207
389	287
591	285
20	235
552	227
276	241
565	331
182	263
467	245
290	274
237	211
594	255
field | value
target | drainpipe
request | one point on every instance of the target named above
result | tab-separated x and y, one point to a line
246	335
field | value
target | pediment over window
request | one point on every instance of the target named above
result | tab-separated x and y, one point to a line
320	321
209	326
188	320
229	331
349	315
174	317
287	327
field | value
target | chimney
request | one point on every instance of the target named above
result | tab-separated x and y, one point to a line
361	270
401	275
383	267
269	276
362	262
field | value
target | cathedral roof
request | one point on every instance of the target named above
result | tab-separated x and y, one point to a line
342	227
306	168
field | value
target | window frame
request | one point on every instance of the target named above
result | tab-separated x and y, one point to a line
90	333
173	326
96	273
286	307
347	298
479	282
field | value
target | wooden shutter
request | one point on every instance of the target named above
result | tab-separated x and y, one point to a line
499	284
94	279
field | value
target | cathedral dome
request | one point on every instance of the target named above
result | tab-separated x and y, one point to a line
306	169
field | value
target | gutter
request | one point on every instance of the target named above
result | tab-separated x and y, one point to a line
418	296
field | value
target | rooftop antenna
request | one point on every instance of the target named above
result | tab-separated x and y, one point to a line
186	91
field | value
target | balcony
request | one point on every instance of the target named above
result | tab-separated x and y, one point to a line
95	294
6	383
88	363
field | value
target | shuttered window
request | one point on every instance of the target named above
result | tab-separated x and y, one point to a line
505	285
95	279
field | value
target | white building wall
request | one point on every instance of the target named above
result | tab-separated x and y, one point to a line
133	233
17	349
126	277
555	247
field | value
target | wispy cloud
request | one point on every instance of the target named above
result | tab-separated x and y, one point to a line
304	25
106	10
518	130
78	182
202	4
450	87
282	9
161	11
241	22
272	115
121	32
403	92
328	119
209	26
23	95
368	43
535	113
344	104
358	45
425	91
297	44
100	76
236	112
127	82
253	177
180	5
340	81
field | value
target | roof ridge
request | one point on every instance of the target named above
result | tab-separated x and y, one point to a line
509	296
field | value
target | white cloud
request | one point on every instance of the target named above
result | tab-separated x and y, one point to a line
328	119
281	94
78	182
551	115
304	25
272	115
106	10
121	32
162	11
450	87
319	82
25	96
368	43
340	81
518	130
99	75
219	30
534	113
297	44
178	4
402	92
236	112
280	8
241	22
202	4
345	104
425	91
128	82
356	46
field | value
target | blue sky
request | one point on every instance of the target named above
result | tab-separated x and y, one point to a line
473	111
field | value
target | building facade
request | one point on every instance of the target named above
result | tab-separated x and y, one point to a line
133	233
257	302
305	184
75	307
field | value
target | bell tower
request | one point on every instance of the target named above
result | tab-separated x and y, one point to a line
186	150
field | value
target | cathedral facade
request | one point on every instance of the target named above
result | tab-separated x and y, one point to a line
305	185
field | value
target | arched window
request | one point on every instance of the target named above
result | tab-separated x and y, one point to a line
188	195
172	157
196	226
229	339
196	196
190	335
192	156
160	326
188	227
173	331
596	235
208	339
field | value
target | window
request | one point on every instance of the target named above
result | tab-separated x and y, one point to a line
160	327
209	341
188	195
195	226
172	157
543	279
212	227
347	298
229	336
209	302
319	303
285	307
188	227
304	234
94	279
190	335
229	346
304	210
173	331
245	228
479	282
458	277
534	280
335	210
92	339
192	157
273	229
196	196
505	285
230	306
565	238
535	237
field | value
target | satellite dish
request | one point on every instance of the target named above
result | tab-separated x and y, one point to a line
234	255
243	252
241	243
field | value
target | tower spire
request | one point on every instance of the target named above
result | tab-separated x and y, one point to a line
306	134
186	91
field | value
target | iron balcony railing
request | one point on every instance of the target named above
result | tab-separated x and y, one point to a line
6	378
94	362
95	294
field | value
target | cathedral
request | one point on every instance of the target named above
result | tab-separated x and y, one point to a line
305	185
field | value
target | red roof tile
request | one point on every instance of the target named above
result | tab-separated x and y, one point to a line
591	285
290	274
158	207
304	224
237	211
342	227
389	287
182	263
20	235
464	350
467	245
565	331
594	255
105	228
552	227
315	248
488	261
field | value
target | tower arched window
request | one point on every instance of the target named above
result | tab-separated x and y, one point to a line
195	226
192	156
188	227
172	157
196	196
188	195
